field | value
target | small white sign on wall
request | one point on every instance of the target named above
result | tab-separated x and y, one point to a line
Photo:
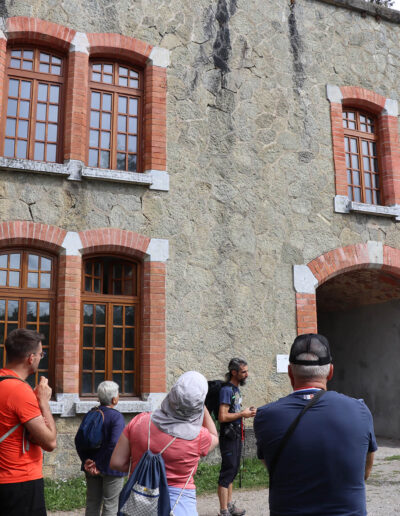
282	362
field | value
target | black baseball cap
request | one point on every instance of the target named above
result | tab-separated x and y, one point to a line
310	343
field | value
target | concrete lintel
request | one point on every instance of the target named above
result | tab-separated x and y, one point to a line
67	403
72	244
160	180
2	35
391	108
159	57
156	398
80	43
375	253
304	280
158	250
333	93
125	407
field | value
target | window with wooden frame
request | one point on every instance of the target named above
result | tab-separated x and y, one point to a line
110	324
115	114
27	300
32	104
360	144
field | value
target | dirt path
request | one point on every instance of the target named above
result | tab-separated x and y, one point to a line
383	488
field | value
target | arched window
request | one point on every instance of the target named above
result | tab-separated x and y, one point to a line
360	143
27	300
110	324
115	112
33	107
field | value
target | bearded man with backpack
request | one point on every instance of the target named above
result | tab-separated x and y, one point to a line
95	442
231	416
26	426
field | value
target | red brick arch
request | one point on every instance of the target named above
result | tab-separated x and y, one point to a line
333	263
21	29
33	234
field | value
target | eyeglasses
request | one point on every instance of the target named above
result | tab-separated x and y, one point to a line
42	354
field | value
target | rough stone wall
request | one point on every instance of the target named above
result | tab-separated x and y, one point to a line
249	158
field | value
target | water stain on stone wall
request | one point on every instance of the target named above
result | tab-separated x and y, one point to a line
296	48
222	44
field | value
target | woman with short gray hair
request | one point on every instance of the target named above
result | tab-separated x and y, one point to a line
103	484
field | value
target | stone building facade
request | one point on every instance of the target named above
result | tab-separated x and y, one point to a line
176	190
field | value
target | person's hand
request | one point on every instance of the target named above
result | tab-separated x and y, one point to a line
90	467
249	412
43	390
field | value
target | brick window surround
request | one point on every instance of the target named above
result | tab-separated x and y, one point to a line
328	265
70	248
386	112
78	48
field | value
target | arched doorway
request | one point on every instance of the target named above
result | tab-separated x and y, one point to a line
352	295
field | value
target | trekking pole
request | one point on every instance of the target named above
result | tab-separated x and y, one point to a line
243	451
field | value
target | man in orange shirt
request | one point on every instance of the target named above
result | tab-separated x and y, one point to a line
26	426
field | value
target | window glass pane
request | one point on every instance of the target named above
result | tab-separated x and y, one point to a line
9	148
107	79
45	280
367	180
121	142
132	162
100	362
15	63
33	262
117	337
15	260
13	310
98	378
33	280
25	90
51	152
100	314
3	278
24	108
354	161
13	279
106	121
44	311
133	106
95	100
117	315
129	337
94	138
128	382
12	107
117	378
87	314
356	178
10	127
353	145
132	125
129	359
97	286
23	128
97	269
3	260
364	147
117	290
375	165
44	67
53	113
122	124
100	337
357	194
88	284
96	77
108	68
87	359
41	111
31	311
366	163
45	264
56	69
21	149
87	383
40	131
88	336
54	94
95	119
27	65
44	58
121	163
130	315
105	140
13	88
93	154
350	193
104	159
39	151
42	92
132	144
107	102
122	104
123	81
117	360
368	196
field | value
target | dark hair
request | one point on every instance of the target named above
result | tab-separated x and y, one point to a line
21	343
234	365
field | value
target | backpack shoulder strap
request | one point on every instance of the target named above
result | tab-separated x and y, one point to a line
11	377
291	429
4	436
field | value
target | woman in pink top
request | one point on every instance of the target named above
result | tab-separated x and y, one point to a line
184	416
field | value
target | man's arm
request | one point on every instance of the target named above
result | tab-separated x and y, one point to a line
368	464
224	416
210	425
42	429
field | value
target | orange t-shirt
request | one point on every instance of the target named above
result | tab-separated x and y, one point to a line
18	404
179	457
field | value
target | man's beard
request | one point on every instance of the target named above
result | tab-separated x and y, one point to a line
242	382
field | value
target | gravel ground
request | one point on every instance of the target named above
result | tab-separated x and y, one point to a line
383	489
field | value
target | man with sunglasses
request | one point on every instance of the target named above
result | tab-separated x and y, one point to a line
26	427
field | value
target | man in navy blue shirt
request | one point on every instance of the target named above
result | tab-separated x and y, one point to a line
230	441
323	466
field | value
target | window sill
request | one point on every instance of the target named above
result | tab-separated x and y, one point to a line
344	205
70	405
75	170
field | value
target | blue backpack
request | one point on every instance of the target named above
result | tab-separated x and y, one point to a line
90	432
146	492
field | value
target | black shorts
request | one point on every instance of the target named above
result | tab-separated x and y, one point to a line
23	499
231	450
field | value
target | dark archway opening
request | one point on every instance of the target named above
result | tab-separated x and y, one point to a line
359	312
